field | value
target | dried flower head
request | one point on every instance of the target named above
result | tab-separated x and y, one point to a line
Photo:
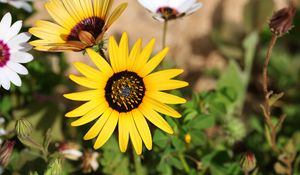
282	20
90	162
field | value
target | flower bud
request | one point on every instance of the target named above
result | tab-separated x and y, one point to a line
5	152
282	20
248	162
188	138
23	128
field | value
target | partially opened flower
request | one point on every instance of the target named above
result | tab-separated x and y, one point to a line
13	51
23	4
79	24
125	92
170	9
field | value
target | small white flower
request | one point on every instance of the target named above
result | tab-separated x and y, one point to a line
72	154
170	9
13	51
19	4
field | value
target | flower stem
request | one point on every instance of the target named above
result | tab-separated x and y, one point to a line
137	164
184	163
164	38
267	108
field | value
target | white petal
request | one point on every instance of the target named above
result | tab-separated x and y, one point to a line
185	5
5	24
21	57
194	8
18	43
13	31
17	68
12	76
21	4
4	80
148	5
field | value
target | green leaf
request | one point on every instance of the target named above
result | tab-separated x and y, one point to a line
202	122
275	97
160	139
178	144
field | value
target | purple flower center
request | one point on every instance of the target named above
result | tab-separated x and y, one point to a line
4	54
93	25
168	13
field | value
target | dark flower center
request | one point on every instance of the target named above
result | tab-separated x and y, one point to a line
168	13
93	25
124	91
4	54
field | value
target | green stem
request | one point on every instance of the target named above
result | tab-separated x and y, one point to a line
164	38
137	164
184	163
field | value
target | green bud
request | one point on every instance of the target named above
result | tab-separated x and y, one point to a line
248	162
55	167
23	128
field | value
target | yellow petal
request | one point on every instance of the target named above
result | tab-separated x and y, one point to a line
106	8
85	95
161	108
85	108
134	135
153	63
123	130
166	85
165	97
97	127
87	6
86	82
155	118
100	62
116	14
144	56
89	72
91	115
123	52
134	54
58	12
113	54
163	75
107	130
143	128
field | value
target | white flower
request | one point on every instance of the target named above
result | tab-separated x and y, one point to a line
19	4
72	154
170	9
13	51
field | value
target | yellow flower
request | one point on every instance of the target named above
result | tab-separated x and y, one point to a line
187	138
80	24
125	92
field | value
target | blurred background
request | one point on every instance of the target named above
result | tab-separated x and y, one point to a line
221	47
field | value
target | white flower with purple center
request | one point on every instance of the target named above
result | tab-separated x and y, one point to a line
170	9
19	4
13	51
